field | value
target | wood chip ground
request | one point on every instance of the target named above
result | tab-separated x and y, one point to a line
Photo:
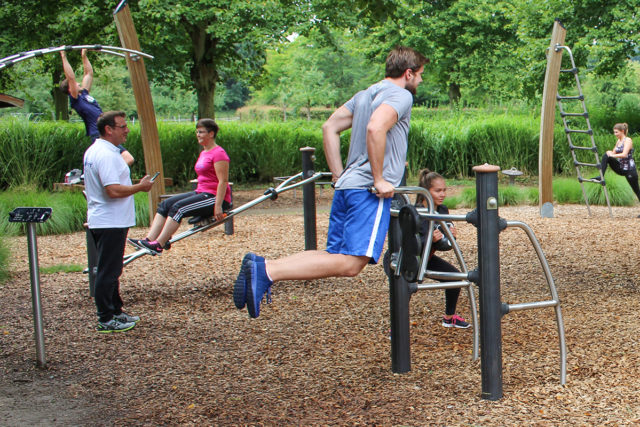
320	353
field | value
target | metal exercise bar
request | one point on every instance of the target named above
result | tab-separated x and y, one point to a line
271	193
113	50
554	302
401	290
487	276
399	296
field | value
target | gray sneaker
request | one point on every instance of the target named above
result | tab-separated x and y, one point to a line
126	318
114	325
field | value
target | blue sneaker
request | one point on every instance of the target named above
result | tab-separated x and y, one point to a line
240	287
258	284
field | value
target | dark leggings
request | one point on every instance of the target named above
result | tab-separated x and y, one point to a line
631	175
451	295
189	204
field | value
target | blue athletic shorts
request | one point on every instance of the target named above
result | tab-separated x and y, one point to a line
358	224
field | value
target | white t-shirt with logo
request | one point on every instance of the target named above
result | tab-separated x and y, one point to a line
103	166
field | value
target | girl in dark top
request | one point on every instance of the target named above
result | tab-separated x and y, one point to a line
435	183
621	158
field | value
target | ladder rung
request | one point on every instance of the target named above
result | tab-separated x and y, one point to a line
588	132
585	114
577	147
597	181
576	98
570	70
593	165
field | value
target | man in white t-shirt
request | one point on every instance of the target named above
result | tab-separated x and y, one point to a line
110	213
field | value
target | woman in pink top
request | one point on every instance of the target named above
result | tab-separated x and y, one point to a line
211	197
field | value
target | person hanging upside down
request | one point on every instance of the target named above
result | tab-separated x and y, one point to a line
84	104
212	196
621	158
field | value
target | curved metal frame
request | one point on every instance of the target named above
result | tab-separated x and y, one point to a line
554	302
462	277
9	61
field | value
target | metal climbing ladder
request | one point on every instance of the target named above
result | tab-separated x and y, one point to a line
579	144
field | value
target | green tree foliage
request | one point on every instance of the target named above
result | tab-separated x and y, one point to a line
601	33
30	24
211	40
306	73
469	42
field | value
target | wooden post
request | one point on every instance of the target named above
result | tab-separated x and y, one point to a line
547	120
144	103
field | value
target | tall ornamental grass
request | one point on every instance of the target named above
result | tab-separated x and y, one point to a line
35	155
568	190
453	146
619	190
4	261
69	211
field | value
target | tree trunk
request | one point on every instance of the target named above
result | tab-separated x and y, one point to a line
60	99
454	94
204	71
206	97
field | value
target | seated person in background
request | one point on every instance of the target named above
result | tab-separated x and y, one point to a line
435	183
84	104
211	197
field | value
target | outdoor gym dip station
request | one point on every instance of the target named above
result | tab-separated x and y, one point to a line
409	271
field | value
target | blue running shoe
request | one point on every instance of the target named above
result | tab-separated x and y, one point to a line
240	287
258	284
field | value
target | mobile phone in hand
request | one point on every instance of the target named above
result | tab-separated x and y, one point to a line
155	175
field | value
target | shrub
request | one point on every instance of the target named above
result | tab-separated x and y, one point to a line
35	155
511	196
69	211
628	111
4	261
620	193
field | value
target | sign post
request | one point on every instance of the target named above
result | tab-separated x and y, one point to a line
32	216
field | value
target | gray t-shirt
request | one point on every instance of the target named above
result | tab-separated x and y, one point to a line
357	172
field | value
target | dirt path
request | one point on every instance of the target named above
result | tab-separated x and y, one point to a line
319	355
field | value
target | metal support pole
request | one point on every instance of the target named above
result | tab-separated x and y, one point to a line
35	292
92	261
228	226
309	199
399	296
489	281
